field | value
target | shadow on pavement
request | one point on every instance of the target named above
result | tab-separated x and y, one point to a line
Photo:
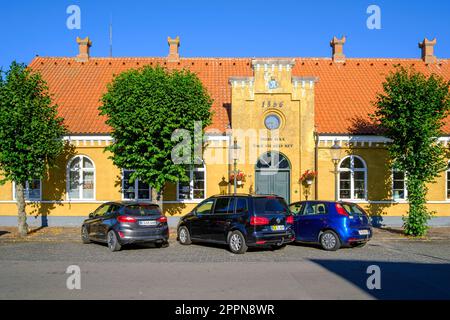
399	280
226	248
2	233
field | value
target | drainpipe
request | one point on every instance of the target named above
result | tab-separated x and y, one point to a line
316	165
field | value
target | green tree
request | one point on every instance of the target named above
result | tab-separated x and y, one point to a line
30	131
411	111
144	108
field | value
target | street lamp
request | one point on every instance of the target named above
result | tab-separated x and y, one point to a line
335	152
235	152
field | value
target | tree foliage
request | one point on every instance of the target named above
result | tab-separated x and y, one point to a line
30	130
411	111
144	107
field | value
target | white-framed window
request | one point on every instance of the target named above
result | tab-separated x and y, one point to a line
81	178
353	178
136	190
33	190
195	189
447	182
399	190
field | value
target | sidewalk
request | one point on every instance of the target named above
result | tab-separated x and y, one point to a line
58	234
50	234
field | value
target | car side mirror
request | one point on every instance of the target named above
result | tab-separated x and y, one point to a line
91	215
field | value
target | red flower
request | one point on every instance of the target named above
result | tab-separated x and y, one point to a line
308	175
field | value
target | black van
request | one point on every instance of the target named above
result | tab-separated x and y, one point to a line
241	221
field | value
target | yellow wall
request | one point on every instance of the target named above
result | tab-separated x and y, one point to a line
296	140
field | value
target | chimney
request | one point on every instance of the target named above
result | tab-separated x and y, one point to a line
83	46
427	47
338	49
174	44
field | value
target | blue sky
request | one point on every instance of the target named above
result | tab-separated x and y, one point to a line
231	28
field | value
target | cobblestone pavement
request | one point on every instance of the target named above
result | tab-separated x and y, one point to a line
35	269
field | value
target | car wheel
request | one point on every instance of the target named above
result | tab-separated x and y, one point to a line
85	235
330	241
278	247
236	242
113	242
183	236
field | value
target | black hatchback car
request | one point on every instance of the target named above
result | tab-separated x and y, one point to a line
240	221
121	223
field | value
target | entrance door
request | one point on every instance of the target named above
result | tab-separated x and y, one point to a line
273	175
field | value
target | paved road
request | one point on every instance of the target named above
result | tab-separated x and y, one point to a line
409	269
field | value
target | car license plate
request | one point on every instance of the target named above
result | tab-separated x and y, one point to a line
147	223
363	232
277	228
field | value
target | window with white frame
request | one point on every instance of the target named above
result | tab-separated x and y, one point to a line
352	179
448	182
81	178
136	190
399	191
195	188
33	190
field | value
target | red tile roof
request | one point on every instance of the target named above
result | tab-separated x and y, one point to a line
343	96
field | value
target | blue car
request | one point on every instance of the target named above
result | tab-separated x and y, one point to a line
331	224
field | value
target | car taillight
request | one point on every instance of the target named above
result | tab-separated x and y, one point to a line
290	220
126	219
162	220
341	211
259	221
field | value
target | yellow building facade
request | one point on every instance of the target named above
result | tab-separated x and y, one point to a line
279	111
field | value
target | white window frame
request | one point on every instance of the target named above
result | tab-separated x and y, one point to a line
191	186
80	182
136	188
447	173
405	189
27	191
352	171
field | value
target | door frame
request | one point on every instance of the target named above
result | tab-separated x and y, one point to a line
288	170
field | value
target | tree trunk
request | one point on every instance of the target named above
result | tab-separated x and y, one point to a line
22	216
157	198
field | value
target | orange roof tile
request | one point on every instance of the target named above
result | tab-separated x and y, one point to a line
344	93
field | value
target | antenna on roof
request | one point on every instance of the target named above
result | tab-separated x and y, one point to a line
111	37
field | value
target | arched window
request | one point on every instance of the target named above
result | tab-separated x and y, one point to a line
273	161
81	178
352	179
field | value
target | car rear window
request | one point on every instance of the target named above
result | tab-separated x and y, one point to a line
353	209
142	210
270	205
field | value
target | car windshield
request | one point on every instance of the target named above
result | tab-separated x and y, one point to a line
353	209
270	206
142	210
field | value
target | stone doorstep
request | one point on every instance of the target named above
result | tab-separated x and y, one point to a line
54	234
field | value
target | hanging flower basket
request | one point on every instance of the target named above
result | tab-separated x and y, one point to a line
240	178
308	177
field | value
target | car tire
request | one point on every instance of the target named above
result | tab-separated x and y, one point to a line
113	242
183	236
278	247
85	235
330	241
236	243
